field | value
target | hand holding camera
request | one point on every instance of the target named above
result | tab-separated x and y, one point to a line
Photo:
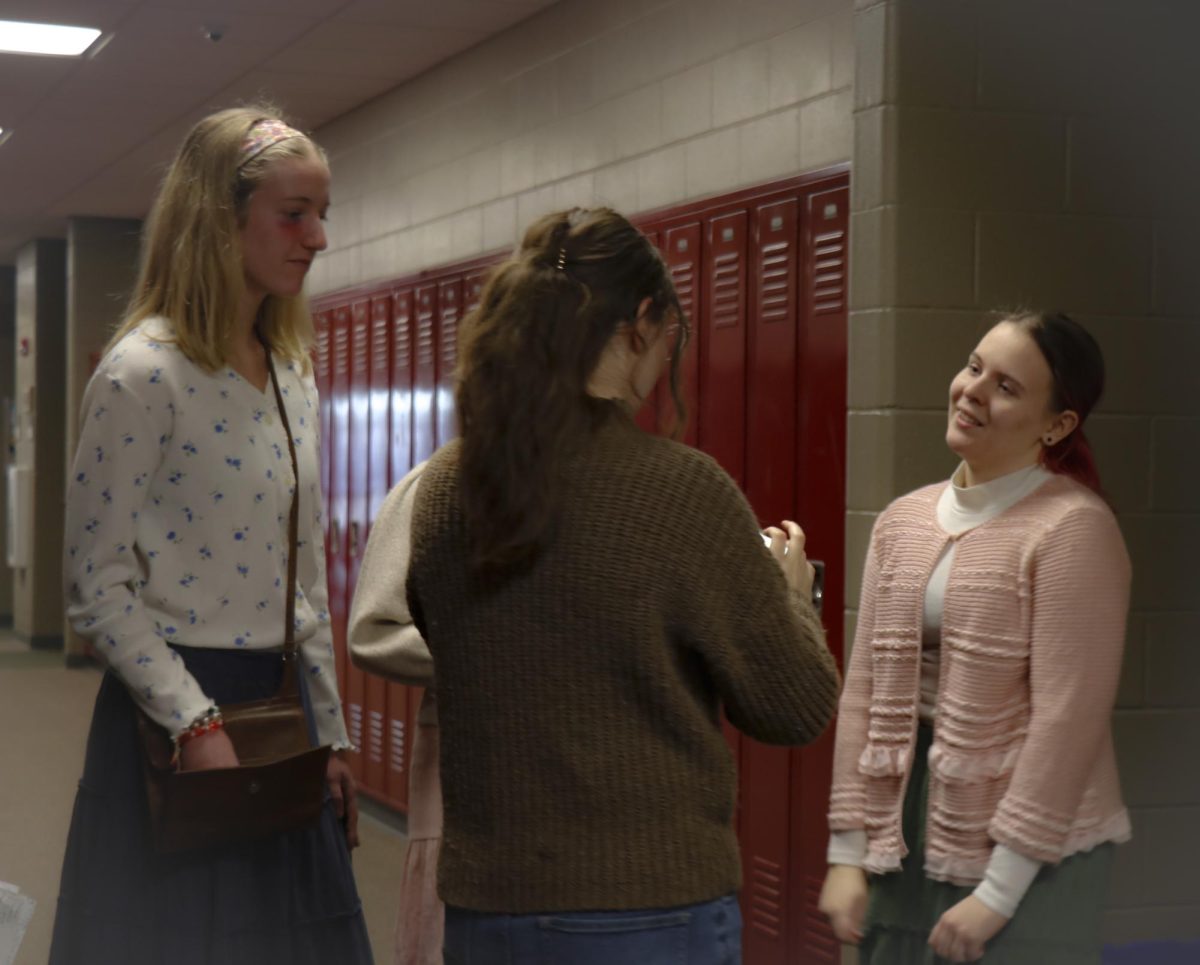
787	546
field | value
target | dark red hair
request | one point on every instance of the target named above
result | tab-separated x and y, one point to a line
1077	367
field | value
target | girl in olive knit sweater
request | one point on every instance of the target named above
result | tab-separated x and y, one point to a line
592	597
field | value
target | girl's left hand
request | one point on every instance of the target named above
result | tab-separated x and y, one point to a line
345	796
961	933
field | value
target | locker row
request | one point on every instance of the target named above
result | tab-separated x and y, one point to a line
762	275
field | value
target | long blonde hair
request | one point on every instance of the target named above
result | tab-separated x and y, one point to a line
191	265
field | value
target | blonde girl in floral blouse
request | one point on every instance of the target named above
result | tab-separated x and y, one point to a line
974	777
176	563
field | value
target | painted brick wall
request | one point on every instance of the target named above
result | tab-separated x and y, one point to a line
634	104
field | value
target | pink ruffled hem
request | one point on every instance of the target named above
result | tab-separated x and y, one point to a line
972	768
877	761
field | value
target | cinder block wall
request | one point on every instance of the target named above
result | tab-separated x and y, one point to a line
631	103
8	330
102	265
1018	152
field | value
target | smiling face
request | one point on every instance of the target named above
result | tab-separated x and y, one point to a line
1001	412
283	226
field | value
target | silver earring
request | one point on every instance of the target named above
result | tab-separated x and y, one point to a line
1049	440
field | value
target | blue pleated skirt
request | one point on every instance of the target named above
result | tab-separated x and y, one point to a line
290	898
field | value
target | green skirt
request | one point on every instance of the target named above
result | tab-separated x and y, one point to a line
1057	922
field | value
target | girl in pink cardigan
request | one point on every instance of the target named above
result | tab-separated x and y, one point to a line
974	774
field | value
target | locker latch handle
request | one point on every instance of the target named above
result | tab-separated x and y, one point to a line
354	539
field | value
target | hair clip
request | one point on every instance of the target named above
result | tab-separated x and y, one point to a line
562	259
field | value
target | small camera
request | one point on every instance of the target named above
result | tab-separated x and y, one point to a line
818	587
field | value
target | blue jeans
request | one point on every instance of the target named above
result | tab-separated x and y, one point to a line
706	934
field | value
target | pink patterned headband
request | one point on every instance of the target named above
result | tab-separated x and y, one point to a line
262	135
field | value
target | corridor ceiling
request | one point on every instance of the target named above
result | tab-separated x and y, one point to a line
91	135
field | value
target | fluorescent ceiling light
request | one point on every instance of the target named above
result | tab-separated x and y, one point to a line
45	38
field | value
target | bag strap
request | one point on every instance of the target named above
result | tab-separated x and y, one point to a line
288	685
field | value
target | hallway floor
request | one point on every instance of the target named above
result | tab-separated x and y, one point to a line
44	714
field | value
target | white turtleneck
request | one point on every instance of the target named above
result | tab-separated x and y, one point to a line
961	509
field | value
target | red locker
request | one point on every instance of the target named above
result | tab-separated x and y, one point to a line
425	430
650	414
822	505
339	479
722	356
378	460
681	250
360	425
770	485
323	376
448	316
396	782
425	374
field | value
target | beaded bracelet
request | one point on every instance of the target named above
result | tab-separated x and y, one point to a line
206	723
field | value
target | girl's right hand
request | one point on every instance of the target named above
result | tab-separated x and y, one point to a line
788	549
207	751
844	901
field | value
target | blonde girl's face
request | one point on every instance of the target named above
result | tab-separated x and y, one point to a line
283	227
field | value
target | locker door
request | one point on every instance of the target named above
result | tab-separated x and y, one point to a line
379	457
425	374
648	415
681	250
822	506
449	313
396	783
425	387
339	479
323	376
402	385
722	407
360	427
770	485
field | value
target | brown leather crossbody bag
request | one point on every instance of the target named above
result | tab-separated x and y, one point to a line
280	783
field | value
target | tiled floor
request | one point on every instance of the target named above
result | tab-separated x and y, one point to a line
44	714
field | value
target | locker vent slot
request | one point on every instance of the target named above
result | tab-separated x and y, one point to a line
766	898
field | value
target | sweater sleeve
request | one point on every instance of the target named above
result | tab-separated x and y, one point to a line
761	642
124	429
1079	597
848	792
382	637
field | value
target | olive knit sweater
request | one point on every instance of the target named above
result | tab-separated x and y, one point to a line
583	763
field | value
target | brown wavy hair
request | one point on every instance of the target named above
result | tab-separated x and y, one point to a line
1077	367
527	354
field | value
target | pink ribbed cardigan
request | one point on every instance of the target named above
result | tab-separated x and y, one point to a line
1032	637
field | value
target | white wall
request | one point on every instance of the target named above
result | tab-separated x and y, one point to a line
638	105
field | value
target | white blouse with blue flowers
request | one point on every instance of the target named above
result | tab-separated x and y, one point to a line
176	528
